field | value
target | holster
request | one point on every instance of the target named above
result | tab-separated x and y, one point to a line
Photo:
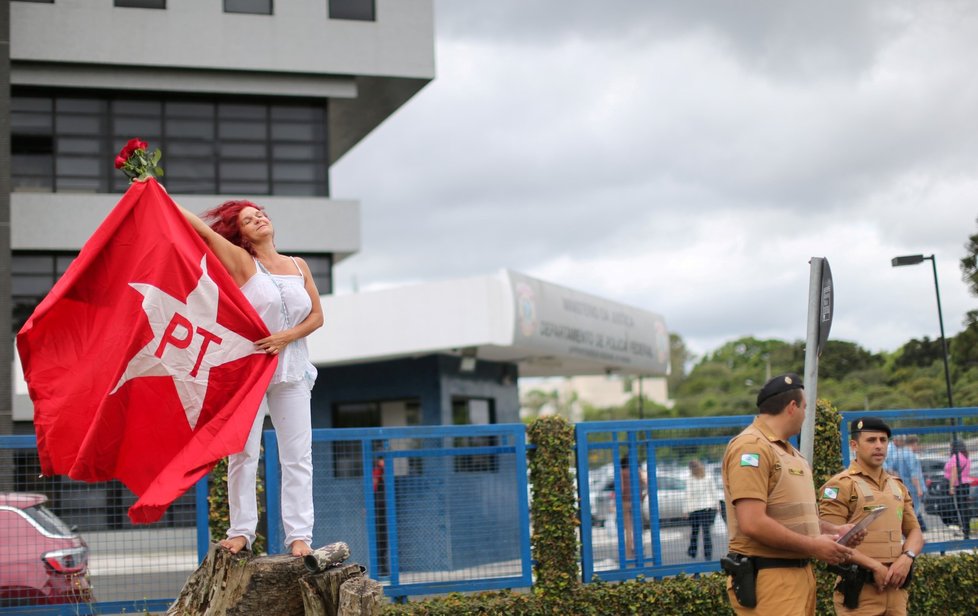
906	582
743	576
853	579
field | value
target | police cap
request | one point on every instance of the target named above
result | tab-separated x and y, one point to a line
869	424
779	385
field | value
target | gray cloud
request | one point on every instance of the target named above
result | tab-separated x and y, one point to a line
684	156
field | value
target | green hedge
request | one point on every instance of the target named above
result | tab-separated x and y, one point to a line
554	508
946	585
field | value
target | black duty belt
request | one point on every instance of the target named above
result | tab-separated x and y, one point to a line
761	562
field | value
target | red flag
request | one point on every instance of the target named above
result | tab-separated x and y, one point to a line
140	361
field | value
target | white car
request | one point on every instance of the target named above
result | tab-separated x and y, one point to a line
670	490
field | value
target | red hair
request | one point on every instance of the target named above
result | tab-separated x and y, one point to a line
224	220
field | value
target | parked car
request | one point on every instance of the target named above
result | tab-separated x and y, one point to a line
670	491
932	468
42	561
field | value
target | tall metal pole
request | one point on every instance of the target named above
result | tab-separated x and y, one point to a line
940	318
913	260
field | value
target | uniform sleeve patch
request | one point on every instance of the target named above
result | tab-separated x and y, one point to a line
750	459
830	493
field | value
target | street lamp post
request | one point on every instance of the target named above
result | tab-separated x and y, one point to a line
914	260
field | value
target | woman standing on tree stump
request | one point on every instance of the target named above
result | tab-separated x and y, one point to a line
283	292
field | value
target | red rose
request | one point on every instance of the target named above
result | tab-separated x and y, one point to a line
128	150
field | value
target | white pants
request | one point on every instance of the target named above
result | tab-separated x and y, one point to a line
289	407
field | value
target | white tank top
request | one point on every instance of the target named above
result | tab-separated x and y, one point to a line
282	302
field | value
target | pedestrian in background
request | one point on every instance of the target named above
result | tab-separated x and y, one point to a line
626	504
957	470
914	477
700	507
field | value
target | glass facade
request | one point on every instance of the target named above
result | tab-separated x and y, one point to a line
66	143
61	142
33	274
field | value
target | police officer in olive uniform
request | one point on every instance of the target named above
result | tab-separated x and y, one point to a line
772	518
874	583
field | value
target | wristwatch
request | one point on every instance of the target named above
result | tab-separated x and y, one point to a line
911	554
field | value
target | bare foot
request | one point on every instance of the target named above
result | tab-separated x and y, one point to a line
300	548
234	544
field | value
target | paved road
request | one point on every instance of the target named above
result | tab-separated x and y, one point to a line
130	565
675	540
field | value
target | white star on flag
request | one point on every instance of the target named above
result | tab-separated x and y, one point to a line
187	341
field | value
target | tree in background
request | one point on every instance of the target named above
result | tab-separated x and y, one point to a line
969	265
726	381
964	346
919	353
679	357
841	358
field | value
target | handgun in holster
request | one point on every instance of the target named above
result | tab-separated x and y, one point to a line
907	582
743	576
853	579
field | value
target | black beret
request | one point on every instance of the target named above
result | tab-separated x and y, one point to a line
779	385
874	424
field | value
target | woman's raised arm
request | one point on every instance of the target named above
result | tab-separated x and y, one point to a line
235	259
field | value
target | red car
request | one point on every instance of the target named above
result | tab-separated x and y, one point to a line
42	561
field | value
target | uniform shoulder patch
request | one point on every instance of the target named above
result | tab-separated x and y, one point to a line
830	493
750	459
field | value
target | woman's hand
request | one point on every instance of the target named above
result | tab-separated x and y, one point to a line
274	344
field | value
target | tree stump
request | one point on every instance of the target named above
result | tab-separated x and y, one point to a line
321	593
242	584
361	597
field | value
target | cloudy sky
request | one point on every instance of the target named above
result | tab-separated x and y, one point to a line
687	158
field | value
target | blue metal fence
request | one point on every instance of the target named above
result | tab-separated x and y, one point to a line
437	509
425	509
614	460
657	451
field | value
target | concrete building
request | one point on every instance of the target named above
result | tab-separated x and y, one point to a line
598	391
246	98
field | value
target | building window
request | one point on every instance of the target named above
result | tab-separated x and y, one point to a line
362	10
142	4
254	7
475	411
67	143
32	274
348	455
32	143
